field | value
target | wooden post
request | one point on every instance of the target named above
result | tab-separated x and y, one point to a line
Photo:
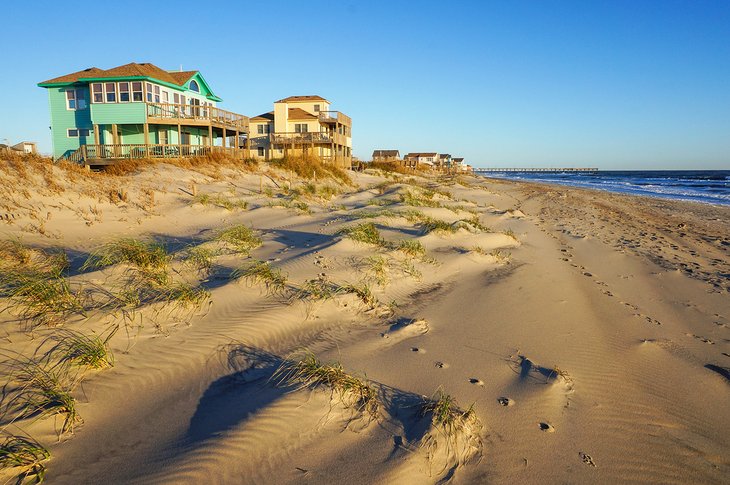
210	135
224	138
147	139
96	134
179	140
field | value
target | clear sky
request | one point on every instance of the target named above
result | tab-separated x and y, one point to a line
615	84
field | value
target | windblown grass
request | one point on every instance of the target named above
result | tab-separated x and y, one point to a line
511	233
309	167
44	390
411	247
364	292
458	431
200	258
352	391
365	232
261	272
241	238
145	255
39	298
27	455
220	200
73	347
377	267
318	289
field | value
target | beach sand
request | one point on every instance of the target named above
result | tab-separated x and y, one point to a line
591	332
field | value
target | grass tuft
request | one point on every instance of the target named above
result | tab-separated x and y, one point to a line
242	239
26	454
411	247
261	272
365	232
146	256
352	391
73	347
220	200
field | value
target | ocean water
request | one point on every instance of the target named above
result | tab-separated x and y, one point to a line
708	186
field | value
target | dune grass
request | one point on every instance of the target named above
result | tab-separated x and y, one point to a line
309	167
365	232
241	238
364	292
411	247
145	255
45	390
318	289
261	272
220	200
200	258
510	233
25	454
458	431
352	391
377	267
75	348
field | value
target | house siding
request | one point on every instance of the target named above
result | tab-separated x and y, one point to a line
62	119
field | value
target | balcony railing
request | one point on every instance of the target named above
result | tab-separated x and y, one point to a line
300	138
335	117
87	153
187	112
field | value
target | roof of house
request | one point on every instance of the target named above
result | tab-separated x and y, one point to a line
457	159
444	156
300	114
133	69
418	155
294	99
386	153
264	117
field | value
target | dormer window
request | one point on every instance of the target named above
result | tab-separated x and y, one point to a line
194	86
316	108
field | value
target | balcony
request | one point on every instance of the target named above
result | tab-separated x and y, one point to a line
109	153
335	117
185	114
297	138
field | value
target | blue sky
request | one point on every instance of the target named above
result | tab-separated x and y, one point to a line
614	84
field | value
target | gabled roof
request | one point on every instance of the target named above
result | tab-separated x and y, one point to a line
264	117
444	156
300	114
294	99
385	153
131	70
457	160
418	155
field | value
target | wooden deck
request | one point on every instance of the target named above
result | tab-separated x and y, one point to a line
547	170
110	153
191	115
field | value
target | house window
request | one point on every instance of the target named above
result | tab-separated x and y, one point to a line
194	86
162	137
182	99
316	108
261	151
137	91
98	93
165	97
84	132
111	92
76	99
300	127
149	92
124	92
176	98
157	94
260	129
73	133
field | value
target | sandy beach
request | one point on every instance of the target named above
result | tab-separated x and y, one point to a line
584	336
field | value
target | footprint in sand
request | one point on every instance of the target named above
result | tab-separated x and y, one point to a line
505	401
547	427
441	365
475	381
404	329
418	350
587	459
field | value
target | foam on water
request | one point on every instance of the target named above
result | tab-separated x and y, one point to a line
708	186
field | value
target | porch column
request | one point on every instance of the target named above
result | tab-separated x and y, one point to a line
210	137
115	140
179	140
225	135
146	128
96	135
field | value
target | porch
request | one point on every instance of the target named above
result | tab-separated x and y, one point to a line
106	154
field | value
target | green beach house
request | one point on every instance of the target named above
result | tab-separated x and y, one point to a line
139	111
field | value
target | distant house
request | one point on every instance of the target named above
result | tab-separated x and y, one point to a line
386	155
22	147
303	125
419	158
138	111
458	164
443	162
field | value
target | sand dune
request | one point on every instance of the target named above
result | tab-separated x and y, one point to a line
590	331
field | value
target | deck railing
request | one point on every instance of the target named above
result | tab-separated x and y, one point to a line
300	138
186	112
88	153
335	116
